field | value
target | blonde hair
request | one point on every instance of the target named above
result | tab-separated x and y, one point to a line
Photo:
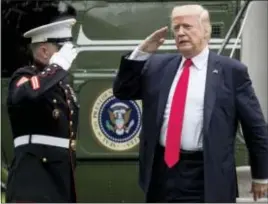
195	9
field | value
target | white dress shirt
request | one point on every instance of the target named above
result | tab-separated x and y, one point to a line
192	129
192	136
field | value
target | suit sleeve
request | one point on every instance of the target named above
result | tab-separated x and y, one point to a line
254	127
26	86
128	82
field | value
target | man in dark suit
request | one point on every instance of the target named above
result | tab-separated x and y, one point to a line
192	103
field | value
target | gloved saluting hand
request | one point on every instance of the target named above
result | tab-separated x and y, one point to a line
65	56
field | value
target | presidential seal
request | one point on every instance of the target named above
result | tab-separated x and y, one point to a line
116	124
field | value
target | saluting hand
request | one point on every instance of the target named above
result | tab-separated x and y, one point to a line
154	41
259	190
65	56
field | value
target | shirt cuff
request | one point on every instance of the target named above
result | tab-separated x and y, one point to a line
260	181
139	55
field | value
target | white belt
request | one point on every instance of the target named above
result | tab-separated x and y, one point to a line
42	139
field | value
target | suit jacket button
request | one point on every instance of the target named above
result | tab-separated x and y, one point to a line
54	101
44	160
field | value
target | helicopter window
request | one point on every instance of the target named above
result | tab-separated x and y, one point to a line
217	30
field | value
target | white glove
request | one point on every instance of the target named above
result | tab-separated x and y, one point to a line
65	56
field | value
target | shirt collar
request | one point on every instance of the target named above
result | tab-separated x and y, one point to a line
200	59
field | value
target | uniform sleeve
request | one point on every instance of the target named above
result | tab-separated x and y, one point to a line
25	86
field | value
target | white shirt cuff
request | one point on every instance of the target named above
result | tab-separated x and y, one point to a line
261	181
139	55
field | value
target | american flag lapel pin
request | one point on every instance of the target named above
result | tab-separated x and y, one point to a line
215	71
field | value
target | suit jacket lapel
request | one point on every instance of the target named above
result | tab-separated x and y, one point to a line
212	81
170	72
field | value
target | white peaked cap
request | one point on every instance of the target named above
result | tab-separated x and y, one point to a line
56	30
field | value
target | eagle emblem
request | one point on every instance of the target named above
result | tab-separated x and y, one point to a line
119	115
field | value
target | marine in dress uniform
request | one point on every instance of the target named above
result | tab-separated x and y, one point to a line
43	112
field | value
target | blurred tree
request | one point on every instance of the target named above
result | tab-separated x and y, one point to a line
18	16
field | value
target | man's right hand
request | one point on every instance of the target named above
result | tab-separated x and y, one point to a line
154	41
65	56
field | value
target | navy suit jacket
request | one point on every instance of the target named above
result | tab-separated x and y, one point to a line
229	99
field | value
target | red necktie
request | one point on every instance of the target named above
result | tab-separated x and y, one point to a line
173	140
